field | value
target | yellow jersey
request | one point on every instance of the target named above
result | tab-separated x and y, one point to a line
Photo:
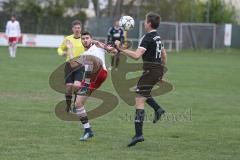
78	48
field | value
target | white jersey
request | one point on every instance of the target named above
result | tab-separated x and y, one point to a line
13	29
97	52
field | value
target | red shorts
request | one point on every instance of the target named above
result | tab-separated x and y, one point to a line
97	80
12	40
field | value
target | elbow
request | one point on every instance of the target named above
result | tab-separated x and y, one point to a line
60	52
164	63
136	56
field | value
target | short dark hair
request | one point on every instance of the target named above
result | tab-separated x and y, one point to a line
84	33
76	22
154	19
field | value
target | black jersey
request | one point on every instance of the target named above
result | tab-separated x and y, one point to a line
115	34
152	43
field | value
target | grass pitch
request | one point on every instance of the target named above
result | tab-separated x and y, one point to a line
202	122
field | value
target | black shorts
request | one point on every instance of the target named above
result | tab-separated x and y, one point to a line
149	78
72	75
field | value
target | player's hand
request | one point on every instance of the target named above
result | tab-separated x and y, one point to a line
118	45
68	44
114	51
111	49
5	36
18	39
69	51
98	44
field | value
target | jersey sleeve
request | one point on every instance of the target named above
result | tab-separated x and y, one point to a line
143	43
110	31
109	35
62	48
18	29
7	29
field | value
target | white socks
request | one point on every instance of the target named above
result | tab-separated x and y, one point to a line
12	51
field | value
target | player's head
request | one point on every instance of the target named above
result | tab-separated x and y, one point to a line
152	21
13	17
86	38
116	23
76	27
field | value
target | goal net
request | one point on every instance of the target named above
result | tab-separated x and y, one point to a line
197	35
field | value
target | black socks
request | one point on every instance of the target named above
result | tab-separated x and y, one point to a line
152	103
139	118
68	100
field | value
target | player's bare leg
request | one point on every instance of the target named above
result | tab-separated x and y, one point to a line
117	57
82	114
112	63
139	118
76	87
68	96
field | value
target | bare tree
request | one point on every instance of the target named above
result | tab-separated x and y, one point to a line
110	8
118	9
130	6
96	7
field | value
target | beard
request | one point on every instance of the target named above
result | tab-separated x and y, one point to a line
88	45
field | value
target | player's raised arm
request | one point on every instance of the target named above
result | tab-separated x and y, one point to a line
62	49
108	48
133	54
69	49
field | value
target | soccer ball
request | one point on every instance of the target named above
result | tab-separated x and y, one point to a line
127	22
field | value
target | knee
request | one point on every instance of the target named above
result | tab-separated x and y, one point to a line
69	88
140	102
76	86
79	104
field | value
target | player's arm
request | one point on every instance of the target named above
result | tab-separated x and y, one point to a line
7	30
62	49
73	61
108	48
164	57
18	31
109	38
133	54
69	45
